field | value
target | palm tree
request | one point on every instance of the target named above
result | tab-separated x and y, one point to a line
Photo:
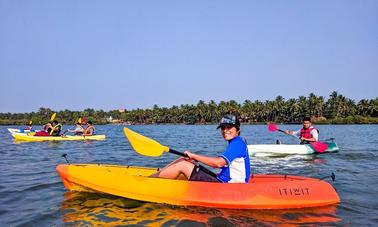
230	107
316	105
248	111
279	104
201	112
289	111
213	111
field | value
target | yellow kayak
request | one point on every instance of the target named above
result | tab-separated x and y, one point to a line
262	191
26	137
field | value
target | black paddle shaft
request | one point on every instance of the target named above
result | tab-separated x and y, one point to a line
177	152
197	164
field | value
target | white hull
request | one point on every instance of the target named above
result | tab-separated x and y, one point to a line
16	130
278	149
288	149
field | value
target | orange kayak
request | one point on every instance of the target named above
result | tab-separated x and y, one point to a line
262	191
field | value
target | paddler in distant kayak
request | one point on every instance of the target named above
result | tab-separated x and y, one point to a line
29	126
47	127
89	130
307	134
55	129
78	131
234	161
44	132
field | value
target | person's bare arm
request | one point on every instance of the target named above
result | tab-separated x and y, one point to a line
216	162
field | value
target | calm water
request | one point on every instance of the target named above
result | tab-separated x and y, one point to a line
31	193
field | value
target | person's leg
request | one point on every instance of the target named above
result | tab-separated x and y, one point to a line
175	161
174	169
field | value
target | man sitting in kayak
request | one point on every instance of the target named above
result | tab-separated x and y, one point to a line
29	126
47	127
45	130
89	130
234	161
78	131
307	134
55	129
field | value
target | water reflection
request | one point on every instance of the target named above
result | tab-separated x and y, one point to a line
106	210
51	144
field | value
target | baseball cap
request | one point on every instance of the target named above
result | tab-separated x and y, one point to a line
228	120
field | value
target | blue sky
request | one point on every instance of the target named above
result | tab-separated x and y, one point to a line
133	54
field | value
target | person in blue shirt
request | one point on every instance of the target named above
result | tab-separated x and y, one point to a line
233	162
29	126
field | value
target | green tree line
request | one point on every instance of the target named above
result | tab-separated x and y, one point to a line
337	109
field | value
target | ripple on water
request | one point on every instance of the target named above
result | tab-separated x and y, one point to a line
31	192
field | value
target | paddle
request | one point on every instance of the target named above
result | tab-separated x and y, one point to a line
146	146
65	157
65	131
72	128
317	146
52	117
273	127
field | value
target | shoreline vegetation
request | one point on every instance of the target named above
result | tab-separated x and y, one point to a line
337	109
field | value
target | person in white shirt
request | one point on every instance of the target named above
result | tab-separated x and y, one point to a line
307	134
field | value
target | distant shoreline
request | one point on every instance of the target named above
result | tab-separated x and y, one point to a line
339	121
337	109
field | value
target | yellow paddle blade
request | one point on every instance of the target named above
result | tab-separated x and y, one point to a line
52	116
30	122
79	120
143	145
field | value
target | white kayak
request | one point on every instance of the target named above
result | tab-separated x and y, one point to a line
287	149
17	130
